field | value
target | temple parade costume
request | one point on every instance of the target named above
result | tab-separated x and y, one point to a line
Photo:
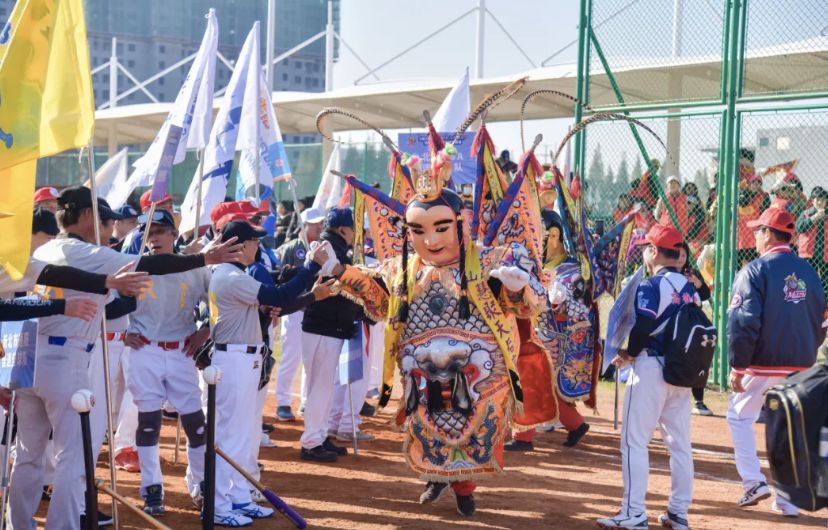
450	307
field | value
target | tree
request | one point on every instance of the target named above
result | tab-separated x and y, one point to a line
638	169
622	178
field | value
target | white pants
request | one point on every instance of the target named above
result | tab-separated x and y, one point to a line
742	413
320	356
236	414
291	336
252	465
339	419
117	385
155	376
59	372
376	355
649	402
127	423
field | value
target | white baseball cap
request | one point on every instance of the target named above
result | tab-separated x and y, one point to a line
312	216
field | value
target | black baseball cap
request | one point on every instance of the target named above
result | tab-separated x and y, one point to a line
106	213
44	221
159	218
75	198
242	230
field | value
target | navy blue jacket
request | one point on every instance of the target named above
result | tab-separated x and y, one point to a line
774	324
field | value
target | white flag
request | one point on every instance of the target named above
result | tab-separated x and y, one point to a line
455	107
187	122
112	176
221	146
330	189
259	136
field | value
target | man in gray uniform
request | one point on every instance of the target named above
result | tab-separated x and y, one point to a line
234	299
162	338
63	347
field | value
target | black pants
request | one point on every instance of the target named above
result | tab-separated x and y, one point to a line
698	393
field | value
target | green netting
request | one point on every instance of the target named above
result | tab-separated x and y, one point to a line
790	152
638	36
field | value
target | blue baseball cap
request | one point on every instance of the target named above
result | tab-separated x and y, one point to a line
127	212
339	217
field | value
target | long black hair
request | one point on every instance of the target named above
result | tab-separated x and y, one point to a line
446	198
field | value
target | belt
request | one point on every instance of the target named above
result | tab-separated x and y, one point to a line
169	345
115	336
250	349
61	341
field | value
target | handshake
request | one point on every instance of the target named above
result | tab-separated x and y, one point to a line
323	254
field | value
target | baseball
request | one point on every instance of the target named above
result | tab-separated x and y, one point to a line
212	375
83	400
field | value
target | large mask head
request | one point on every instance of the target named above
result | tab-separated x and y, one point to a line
433	228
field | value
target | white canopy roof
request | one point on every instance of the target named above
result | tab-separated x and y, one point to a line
796	67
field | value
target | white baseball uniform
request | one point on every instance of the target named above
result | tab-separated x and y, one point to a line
237	334
64	345
161	371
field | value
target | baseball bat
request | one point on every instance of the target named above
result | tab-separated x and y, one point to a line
140	513
271	497
82	402
208	509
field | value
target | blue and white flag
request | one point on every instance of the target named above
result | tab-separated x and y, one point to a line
352	358
621	318
260	140
186	125
455	107
221	146
17	367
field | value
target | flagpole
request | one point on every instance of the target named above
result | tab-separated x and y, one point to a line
198	193
96	219
353	422
258	141
7	462
302	236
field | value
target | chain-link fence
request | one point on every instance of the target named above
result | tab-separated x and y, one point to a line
742	148
783	165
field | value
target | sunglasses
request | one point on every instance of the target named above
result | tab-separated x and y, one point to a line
156	216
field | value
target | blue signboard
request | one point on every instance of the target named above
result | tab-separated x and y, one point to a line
465	165
17	367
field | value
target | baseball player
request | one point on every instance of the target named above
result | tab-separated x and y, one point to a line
237	335
163	338
63	348
774	328
293	254
133	240
46	198
126	224
649	401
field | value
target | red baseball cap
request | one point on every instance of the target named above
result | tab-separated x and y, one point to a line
46	194
146	202
235	216
775	218
247	208
662	236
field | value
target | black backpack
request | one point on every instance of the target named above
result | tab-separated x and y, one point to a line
691	343
795	419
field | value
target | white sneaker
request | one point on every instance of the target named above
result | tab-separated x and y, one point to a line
231	520
620	520
674	521
785	509
252	510
266	441
361	436
757	492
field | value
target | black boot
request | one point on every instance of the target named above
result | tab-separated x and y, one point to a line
518	446
575	436
433	491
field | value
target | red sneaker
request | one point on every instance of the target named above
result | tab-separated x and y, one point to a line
127	460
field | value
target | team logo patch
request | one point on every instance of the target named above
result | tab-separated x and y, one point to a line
736	301
795	289
300	253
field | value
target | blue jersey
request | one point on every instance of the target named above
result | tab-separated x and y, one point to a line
657	300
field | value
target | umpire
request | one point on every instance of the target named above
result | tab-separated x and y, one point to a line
774	329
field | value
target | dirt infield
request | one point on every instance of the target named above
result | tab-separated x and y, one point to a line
551	487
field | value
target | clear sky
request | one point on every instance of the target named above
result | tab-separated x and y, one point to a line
379	29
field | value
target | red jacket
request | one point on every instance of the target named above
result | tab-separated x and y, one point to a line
808	232
679	205
749	209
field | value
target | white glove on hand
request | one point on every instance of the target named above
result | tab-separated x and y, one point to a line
328	268
513	278
557	294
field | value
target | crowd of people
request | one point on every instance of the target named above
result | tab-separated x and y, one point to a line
468	326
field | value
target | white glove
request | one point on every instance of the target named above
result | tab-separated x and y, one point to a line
513	278
557	294
330	264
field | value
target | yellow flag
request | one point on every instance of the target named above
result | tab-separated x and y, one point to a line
46	106
16	216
